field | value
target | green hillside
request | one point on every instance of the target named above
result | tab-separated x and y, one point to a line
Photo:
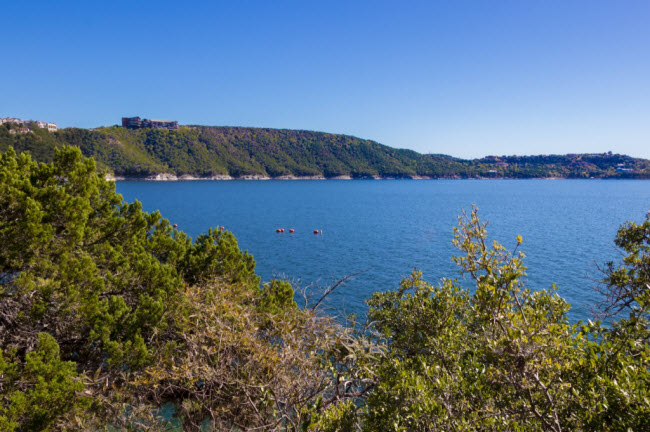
204	151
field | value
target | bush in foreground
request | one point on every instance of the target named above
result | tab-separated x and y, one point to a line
503	357
107	313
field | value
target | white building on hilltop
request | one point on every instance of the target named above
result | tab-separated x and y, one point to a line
51	127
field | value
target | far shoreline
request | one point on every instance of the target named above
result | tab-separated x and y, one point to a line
183	178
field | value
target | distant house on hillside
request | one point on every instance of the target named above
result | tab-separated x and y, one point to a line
131	122
51	127
137	123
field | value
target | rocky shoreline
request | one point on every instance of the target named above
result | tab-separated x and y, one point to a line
173	177
258	177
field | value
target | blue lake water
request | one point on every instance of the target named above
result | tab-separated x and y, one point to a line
388	227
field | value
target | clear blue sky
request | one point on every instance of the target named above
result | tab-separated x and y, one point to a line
466	78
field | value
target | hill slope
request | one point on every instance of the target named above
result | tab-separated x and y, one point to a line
204	151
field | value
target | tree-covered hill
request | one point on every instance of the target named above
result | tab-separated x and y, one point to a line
202	151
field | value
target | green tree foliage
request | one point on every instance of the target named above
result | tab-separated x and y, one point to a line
78	260
108	309
626	285
36	392
620	372
501	357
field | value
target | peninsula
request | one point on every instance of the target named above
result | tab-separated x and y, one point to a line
162	150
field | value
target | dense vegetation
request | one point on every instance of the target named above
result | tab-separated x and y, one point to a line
107	313
111	318
211	151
